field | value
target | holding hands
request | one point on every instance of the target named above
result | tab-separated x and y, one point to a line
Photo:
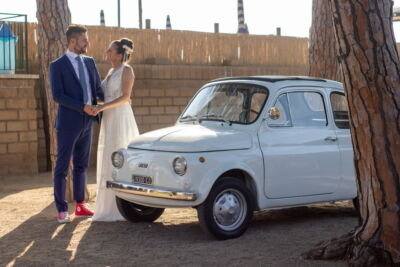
92	110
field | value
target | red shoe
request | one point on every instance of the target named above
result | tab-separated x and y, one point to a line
62	217
82	211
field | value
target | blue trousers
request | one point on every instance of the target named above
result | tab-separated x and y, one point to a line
74	143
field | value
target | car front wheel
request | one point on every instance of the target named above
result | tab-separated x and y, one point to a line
137	213
227	211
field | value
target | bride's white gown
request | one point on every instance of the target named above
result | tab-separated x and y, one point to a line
118	128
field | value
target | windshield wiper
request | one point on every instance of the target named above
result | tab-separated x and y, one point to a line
215	117
189	117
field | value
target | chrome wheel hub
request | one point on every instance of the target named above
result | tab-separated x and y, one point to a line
229	209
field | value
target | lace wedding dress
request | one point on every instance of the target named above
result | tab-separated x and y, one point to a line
118	128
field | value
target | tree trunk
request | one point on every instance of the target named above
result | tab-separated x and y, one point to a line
371	70
53	19
322	59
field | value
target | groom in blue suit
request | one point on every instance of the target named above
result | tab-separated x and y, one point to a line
76	87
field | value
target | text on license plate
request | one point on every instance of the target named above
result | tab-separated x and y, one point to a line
137	179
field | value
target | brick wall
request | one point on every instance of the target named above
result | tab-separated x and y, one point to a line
22	140
160	93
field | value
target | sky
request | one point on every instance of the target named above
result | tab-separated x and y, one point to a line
261	16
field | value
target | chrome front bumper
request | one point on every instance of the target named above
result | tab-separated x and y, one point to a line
150	192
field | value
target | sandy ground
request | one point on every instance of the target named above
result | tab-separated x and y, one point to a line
31	236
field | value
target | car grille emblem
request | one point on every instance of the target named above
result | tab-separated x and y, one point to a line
143	165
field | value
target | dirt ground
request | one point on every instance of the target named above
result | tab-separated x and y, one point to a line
31	236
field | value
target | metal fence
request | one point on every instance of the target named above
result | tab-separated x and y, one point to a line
14	43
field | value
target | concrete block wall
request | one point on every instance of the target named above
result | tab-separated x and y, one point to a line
158	103
159	95
22	139
161	92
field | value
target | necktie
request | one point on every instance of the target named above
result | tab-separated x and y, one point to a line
82	79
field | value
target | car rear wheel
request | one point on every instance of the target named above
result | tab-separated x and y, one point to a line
227	211
137	213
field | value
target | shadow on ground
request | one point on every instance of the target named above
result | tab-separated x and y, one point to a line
275	238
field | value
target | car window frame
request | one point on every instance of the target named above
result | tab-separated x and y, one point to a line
268	94
333	91
319	90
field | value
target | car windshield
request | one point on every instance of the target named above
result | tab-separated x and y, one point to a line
233	103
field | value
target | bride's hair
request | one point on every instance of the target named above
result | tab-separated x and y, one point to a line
124	47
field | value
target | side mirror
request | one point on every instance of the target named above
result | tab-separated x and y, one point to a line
274	113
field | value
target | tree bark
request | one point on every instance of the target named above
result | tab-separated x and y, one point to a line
371	70
54	18
322	58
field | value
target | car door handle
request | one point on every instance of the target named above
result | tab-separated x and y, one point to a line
331	138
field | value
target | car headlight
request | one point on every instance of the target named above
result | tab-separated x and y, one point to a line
117	159
180	165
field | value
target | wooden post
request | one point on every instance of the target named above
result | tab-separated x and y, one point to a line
140	15
148	24
216	28
119	13
278	31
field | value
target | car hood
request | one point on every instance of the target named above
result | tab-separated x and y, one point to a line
193	138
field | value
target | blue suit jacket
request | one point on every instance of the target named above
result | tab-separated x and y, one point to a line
68	93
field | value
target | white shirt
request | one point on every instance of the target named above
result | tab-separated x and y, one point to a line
72	57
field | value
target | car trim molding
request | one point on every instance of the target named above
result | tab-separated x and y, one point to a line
150	192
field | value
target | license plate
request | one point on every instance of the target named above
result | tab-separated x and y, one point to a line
137	179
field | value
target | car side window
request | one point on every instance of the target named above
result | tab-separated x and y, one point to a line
340	110
307	109
284	119
257	103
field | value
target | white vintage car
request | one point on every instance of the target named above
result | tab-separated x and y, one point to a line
242	145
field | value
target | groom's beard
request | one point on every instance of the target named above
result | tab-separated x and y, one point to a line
80	50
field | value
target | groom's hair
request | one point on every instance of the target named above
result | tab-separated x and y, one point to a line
74	31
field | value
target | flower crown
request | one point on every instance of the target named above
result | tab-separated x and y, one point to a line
127	49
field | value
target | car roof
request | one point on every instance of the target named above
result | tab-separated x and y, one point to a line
278	79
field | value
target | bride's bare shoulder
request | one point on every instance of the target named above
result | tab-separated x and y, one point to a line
127	66
128	71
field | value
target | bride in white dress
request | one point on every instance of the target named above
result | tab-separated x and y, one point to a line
118	125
